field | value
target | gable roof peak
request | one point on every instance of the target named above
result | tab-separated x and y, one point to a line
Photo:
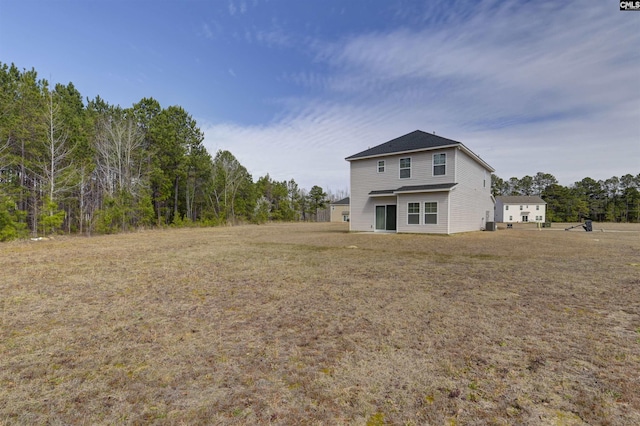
520	199
415	141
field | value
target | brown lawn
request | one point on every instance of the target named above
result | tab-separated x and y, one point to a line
310	324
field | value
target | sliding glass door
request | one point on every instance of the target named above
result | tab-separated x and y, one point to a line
386	217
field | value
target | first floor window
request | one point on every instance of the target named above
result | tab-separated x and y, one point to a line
413	217
431	213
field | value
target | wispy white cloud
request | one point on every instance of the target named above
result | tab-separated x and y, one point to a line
237	7
274	37
542	89
206	31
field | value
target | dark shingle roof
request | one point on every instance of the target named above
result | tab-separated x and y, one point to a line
416	140
343	201
520	199
382	192
415	188
433	187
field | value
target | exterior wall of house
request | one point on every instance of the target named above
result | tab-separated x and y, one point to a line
442	225
471	203
338	212
365	218
362	208
366	178
511	213
499	211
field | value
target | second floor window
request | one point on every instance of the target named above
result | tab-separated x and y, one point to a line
439	164
381	166
405	168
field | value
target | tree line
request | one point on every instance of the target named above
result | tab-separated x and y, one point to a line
616	199
75	166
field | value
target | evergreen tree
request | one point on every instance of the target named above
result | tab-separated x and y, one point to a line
317	200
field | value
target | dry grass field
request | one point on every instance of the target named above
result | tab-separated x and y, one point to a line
309	324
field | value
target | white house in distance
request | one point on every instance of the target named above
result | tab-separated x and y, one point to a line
520	208
420	182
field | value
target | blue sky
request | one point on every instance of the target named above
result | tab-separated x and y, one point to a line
292	87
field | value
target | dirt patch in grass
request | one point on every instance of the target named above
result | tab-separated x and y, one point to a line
310	324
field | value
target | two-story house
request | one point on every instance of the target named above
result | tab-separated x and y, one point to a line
420	182
340	210
520	208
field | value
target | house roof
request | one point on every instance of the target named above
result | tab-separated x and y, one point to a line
412	142
520	199
380	192
414	188
426	188
344	201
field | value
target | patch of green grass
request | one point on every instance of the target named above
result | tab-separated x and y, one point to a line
376	419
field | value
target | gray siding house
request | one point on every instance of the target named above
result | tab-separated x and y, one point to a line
421	183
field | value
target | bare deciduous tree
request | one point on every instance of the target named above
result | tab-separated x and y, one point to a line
4	162
119	164
54	168
229	176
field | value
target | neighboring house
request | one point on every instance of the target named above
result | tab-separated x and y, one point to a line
520	208
340	210
420	182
